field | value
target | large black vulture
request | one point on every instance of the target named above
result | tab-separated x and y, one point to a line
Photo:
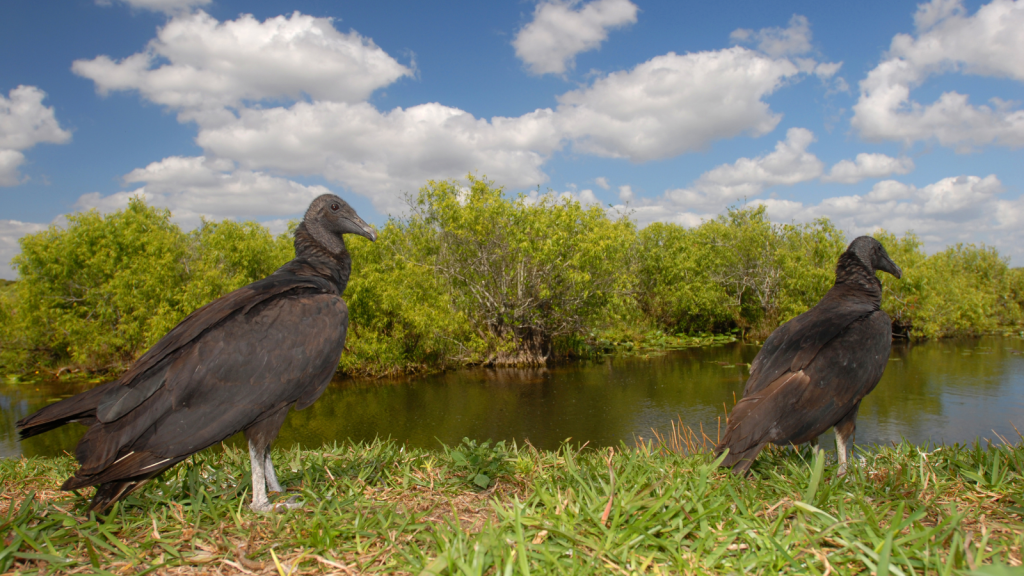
237	364
814	370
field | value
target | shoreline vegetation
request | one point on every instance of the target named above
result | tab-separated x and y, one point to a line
471	277
474	509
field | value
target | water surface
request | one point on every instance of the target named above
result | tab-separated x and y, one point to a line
945	391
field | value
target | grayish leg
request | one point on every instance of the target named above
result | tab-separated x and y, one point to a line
260	503
845	431
260	435
272	483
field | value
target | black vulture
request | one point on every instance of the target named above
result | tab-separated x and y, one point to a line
814	370
236	364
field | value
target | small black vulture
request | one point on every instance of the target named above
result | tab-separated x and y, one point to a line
814	370
237	364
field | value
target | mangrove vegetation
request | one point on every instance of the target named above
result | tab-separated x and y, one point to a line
471	276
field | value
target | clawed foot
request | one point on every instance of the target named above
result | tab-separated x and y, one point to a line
289	504
266	506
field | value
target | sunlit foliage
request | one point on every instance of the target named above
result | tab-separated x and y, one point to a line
738	270
965	289
470	275
98	291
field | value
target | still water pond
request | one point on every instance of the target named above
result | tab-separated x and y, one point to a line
946	391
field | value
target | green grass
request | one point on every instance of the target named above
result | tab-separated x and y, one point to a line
380	508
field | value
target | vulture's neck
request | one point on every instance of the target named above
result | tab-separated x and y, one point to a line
853	278
312	259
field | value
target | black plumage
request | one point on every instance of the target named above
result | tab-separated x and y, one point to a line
237	364
813	371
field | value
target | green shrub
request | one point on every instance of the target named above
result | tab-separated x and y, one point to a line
470	276
99	291
963	290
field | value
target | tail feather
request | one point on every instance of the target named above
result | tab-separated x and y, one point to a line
109	493
739	461
78	408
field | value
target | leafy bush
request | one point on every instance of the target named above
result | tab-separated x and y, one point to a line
963	290
738	270
471	276
524	273
99	291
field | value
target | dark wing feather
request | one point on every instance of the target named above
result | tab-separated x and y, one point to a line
226	380
794	345
119	397
78	408
312	393
800	405
120	400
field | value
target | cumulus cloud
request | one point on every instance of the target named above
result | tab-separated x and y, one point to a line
790	163
674	103
867	166
602	182
10	160
166	6
198	65
955	209
10	232
745	179
384	155
778	42
194	187
562	29
626	193
988	43
287	96
585	197
24	122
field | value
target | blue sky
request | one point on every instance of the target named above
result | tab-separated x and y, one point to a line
873	114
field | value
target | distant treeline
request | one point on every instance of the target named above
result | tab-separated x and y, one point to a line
470	276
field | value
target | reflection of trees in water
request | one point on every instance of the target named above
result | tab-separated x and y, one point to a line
602	401
916	387
20	400
599	402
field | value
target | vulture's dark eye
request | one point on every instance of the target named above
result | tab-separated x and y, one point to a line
335	207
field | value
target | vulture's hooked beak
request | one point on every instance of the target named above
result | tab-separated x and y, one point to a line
887	265
356	225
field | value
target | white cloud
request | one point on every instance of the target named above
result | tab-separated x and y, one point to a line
383	155
956	209
10	160
790	163
673	104
562	29
198	65
626	193
867	166
585	197
989	43
192	187
602	182
10	232
166	6
778	42
287	96
24	122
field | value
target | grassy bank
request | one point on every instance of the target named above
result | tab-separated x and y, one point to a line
481	509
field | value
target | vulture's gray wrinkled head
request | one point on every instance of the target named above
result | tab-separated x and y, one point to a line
873	256
329	217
